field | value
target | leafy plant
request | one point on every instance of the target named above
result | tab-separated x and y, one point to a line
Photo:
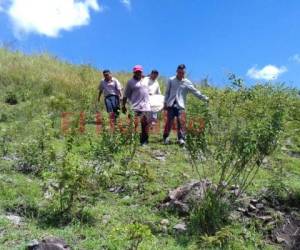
69	185
243	129
5	139
37	153
131	237
209	215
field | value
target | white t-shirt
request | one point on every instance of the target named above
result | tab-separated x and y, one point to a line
153	86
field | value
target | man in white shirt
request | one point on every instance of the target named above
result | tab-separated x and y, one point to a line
112	90
153	89
177	88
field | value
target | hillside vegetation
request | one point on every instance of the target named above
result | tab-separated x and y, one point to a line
98	189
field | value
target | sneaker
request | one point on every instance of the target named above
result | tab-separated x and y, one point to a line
181	142
166	140
143	144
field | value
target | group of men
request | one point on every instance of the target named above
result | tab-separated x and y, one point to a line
138	92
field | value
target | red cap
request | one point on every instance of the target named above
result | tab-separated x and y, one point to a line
137	68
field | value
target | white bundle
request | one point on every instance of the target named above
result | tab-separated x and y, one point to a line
156	102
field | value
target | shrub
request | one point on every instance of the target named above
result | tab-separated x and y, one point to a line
5	139
37	152
132	236
69	185
209	215
243	128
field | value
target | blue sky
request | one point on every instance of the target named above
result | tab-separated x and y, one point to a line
259	40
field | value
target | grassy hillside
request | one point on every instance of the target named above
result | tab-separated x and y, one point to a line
103	191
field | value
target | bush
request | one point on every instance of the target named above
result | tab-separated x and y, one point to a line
37	152
242	128
69	185
132	236
209	215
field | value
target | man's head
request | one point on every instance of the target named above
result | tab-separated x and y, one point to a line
154	74
107	75
138	72
180	72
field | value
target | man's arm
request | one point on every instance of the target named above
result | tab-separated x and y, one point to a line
99	95
124	110
167	93
100	88
191	88
127	93
119	88
158	92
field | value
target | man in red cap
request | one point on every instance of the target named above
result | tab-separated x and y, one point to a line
137	94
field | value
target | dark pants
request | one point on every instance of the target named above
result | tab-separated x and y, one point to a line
173	112
112	104
144	125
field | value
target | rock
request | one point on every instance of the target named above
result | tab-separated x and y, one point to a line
182	208
106	219
181	227
15	219
236	192
116	190
179	192
164	222
158	155
181	198
242	210
234	187
48	243
33	244
288	233
265	218
280	240
265	161
251	208
294	154
254	201
260	206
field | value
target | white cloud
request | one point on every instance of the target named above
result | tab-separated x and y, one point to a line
269	72
126	3
295	58
50	17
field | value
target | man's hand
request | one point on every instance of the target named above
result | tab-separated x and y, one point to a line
97	105
165	106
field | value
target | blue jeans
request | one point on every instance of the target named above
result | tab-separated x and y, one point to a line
112	104
173	112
